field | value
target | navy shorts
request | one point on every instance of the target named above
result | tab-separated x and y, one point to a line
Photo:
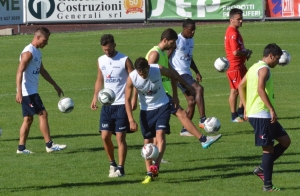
31	105
265	131
172	106
153	120
189	79
114	118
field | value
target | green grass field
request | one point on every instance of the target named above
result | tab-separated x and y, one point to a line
225	169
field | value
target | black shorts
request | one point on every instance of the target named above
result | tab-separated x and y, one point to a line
265	131
189	79
31	105
114	118
154	120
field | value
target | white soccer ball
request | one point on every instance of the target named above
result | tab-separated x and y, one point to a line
66	105
212	125
285	58
106	96
150	151
221	64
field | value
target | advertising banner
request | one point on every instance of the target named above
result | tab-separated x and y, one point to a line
11	12
283	8
203	9
76	11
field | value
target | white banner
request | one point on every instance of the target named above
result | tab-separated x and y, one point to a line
68	11
11	12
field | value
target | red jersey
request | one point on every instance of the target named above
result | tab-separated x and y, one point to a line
233	42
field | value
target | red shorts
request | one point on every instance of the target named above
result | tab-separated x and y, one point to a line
235	77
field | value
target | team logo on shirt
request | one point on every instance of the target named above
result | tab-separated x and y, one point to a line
37	71
262	137
112	79
186	57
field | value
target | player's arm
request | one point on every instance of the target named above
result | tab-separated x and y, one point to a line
129	67
128	91
98	86
195	69
263	76
175	98
236	51
25	59
174	75
49	79
242	93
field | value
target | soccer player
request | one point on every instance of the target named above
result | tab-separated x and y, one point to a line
182	61
27	78
113	70
257	94
158	55
237	54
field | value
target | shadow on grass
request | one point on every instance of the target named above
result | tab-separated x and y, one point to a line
289	118
78	184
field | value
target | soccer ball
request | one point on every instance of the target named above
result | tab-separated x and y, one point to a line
150	151
106	96
212	125
221	64
66	105
285	58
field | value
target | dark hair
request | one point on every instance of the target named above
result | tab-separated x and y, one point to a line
43	30
272	49
188	22
169	34
235	11
140	63
107	39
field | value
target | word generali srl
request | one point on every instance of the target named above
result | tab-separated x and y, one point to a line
93	10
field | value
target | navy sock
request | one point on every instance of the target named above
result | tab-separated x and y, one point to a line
267	165
202	119
240	111
121	169
149	174
203	138
113	163
234	115
278	151
21	147
49	144
183	130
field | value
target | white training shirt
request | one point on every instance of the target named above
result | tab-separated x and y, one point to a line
182	56
31	74
150	90
115	75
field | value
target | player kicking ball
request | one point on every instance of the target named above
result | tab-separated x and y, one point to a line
154	104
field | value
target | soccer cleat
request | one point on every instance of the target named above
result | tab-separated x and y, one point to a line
210	140
112	170
24	152
56	147
154	170
238	120
270	188
184	132
201	125
259	172
147	179
117	173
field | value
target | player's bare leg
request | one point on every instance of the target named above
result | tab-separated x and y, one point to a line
44	125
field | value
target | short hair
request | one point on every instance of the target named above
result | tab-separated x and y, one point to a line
272	49
140	63
43	30
107	39
169	34
188	22
235	11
